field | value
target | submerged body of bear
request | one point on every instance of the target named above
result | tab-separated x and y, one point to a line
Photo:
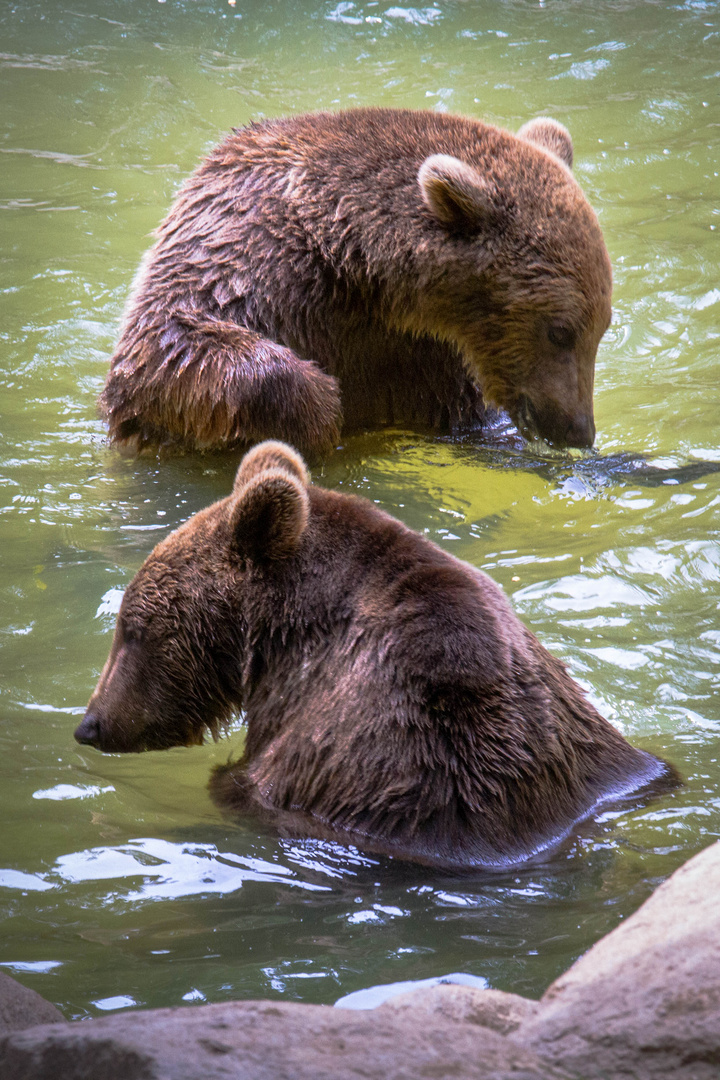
364	268
392	697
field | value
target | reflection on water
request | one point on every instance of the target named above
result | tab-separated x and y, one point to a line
169	870
613	558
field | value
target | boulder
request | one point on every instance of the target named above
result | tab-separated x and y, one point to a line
645	1000
263	1040
492	1009
21	1007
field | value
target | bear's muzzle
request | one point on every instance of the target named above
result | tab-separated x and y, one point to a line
559	429
88	731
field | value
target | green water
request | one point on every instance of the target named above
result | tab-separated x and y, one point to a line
120	883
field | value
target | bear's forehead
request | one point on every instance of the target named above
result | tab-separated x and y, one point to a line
157	585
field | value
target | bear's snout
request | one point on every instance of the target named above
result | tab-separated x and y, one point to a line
88	731
559	429
581	432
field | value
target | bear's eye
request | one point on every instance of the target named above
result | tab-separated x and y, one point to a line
561	336
132	635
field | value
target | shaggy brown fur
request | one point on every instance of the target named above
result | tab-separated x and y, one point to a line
392	697
422	264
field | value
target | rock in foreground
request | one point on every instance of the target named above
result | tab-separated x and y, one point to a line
21	1007
262	1040
644	1001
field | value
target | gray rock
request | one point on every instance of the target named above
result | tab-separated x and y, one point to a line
492	1009
644	1001
262	1040
23	1008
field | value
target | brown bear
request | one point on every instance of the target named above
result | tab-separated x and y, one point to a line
392	698
418	265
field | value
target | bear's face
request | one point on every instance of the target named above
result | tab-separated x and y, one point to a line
161	686
525	287
551	349
176	666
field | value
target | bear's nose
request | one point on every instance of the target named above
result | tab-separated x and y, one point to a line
558	428
581	432
88	731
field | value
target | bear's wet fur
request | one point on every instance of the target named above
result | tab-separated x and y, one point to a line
392	697
360	269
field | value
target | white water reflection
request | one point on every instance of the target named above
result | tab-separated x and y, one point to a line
579	593
169	871
72	791
627	659
377	995
414	16
278	977
16	879
39	967
378	913
351	14
110	604
584	69
119	1001
327	857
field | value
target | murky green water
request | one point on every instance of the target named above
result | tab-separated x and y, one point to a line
119	881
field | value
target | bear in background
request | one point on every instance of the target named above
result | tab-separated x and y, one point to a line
366	268
393	699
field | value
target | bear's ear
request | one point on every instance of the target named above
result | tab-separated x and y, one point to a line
550	136
456	193
271	455
268	515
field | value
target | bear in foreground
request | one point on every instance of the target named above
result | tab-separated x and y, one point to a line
364	268
392	697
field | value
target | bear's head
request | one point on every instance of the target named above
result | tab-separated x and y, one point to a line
175	670
524	289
